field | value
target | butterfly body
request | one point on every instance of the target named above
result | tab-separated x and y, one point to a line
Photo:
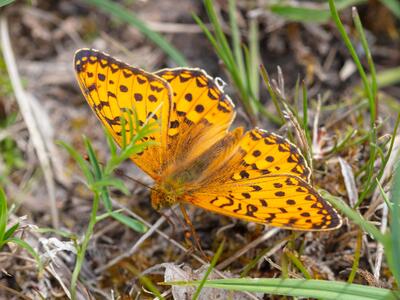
182	178
256	175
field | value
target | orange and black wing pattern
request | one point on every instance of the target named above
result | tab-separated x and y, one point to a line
255	176
202	113
115	90
265	179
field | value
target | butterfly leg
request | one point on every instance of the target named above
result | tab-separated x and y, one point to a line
192	234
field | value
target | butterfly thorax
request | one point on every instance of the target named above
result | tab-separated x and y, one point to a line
182	178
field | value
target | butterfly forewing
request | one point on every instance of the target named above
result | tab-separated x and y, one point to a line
202	113
114	89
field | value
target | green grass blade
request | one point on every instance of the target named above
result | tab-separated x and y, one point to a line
130	222
300	14
357	255
211	38
144	280
3	214
219	33
280	120
297	262
83	164
209	269
360	30
123	14
308	14
62	233
101	192
9	233
388	77
384	158
384	196
395	223
126	153
223	50
353	53
354	216
93	159
110	143
123	131
5	2
28	248
323	289
254	59
108	182
305	115
236	40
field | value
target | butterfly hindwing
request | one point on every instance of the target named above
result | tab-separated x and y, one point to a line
265	153
277	200
265	180
114	89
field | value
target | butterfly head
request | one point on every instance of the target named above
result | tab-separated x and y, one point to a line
165	194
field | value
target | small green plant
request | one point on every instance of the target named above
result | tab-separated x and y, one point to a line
7	232
5	2
11	156
100	177
241	61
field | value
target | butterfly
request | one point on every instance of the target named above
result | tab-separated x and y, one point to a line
256	176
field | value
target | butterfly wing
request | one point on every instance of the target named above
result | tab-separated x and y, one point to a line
202	114
114	89
264	180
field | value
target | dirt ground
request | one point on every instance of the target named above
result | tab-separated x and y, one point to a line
44	37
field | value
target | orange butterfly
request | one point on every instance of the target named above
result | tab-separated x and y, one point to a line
256	176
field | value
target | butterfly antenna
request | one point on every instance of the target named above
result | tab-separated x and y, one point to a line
120	172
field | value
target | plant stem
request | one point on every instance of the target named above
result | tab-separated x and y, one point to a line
82	249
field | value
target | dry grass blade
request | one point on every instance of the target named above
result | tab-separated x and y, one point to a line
380	248
377	203
24	104
376	198
349	181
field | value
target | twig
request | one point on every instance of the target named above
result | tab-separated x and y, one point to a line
134	248
267	235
